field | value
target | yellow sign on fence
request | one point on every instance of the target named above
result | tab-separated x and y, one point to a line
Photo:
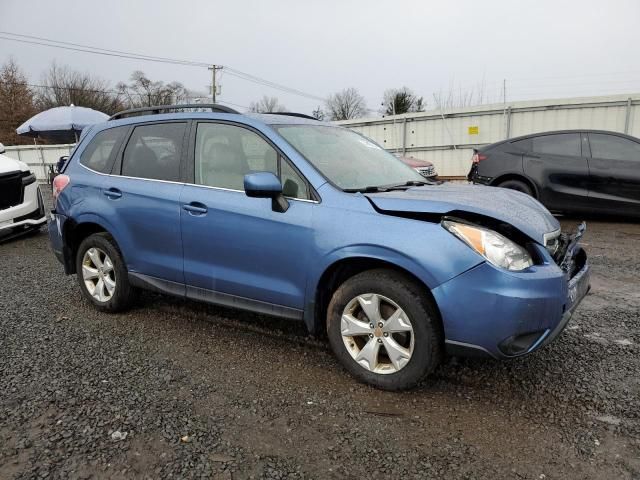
473	130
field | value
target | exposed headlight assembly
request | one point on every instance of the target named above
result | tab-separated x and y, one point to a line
497	249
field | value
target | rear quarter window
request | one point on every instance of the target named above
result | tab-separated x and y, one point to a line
101	151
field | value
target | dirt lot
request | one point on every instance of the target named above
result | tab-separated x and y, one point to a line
177	389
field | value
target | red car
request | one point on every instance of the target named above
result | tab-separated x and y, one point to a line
423	167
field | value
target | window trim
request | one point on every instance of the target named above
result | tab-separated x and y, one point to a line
116	171
189	177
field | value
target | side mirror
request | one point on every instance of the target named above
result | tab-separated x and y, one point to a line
2	149
61	161
266	185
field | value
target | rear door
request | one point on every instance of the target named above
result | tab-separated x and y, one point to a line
560	169
143	195
615	173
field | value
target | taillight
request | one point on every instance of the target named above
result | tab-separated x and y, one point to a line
478	157
59	183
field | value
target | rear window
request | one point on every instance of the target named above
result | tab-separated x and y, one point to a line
154	152
560	144
102	149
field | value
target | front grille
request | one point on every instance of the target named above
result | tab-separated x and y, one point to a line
11	189
427	171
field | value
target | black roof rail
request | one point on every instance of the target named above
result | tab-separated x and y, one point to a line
292	114
155	110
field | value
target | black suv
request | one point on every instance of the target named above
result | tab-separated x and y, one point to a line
569	170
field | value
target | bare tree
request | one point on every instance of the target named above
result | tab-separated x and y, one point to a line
476	95
16	103
267	105
144	92
62	86
318	113
346	104
401	100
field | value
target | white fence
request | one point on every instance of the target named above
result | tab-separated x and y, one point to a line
447	137
38	157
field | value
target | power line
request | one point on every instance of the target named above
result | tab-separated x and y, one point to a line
47	42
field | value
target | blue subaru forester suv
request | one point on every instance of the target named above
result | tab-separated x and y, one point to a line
288	216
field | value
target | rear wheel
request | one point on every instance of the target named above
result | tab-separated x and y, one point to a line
518	185
102	274
384	329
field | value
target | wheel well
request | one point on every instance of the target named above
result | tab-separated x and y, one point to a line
74	234
341	271
515	176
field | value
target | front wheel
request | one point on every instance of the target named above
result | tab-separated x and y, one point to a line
102	273
384	330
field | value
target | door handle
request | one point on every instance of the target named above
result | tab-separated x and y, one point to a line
195	208
112	193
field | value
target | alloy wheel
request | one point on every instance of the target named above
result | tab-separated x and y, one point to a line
377	333
98	274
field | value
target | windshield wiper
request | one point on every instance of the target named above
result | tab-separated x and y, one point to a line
387	188
410	183
369	189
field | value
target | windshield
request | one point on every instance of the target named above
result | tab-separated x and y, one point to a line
348	159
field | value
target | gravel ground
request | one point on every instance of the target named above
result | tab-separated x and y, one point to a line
176	389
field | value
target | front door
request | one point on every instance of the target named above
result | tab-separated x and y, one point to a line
237	250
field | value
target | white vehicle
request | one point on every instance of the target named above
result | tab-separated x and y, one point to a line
21	205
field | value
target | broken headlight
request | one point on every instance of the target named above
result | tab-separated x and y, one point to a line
497	249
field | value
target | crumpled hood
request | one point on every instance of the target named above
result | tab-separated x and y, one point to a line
8	164
515	208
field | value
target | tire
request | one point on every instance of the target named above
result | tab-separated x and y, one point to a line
517	185
120	296
403	292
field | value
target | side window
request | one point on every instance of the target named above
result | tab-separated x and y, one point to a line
612	147
224	154
293	185
560	144
101	151
153	152
524	145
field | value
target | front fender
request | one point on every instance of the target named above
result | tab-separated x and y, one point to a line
362	251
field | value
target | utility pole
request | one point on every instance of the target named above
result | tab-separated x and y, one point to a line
214	87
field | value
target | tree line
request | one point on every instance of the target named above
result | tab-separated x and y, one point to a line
63	86
349	104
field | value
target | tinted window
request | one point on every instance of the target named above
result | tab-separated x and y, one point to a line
612	147
523	144
292	184
101	151
153	151
561	144
224	154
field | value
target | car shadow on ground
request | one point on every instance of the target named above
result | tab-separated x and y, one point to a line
14	235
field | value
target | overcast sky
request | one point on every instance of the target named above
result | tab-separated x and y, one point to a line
542	48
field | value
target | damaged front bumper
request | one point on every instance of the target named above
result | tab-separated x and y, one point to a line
488	311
